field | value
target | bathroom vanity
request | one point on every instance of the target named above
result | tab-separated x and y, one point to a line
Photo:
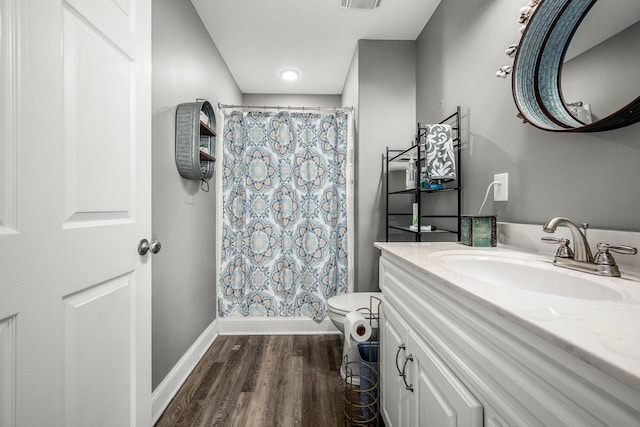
495	337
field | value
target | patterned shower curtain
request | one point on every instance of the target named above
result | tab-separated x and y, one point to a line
284	234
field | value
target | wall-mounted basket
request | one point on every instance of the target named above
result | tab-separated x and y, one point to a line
195	140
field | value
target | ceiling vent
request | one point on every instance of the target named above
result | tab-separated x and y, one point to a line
359	4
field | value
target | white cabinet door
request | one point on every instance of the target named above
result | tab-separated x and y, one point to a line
394	396
440	399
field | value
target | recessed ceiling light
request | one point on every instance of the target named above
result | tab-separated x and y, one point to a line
359	4
289	75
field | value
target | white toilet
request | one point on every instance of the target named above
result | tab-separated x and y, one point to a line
338	308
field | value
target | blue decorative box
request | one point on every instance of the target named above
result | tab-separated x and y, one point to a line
478	230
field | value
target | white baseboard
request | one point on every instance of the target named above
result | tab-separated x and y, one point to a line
274	326
167	389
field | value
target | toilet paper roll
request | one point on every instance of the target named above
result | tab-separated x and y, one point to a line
357	326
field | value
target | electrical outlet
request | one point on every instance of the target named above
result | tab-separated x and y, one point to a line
501	188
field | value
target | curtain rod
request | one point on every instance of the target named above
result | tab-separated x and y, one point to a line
278	107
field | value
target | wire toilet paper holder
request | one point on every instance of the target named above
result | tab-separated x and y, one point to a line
362	396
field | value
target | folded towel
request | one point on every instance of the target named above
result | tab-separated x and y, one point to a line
441	161
422	228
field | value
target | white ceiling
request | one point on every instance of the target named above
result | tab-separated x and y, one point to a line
259	38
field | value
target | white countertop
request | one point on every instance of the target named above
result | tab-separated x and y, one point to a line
603	333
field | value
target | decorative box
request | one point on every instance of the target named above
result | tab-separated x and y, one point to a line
478	230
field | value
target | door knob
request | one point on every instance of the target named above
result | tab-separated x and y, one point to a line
144	246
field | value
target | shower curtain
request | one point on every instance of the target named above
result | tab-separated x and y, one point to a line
284	221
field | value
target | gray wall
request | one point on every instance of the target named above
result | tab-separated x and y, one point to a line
606	76
186	66
386	117
586	177
288	100
350	97
350	89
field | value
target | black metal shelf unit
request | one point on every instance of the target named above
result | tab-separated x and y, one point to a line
395	155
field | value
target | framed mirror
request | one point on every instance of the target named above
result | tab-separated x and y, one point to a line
577	66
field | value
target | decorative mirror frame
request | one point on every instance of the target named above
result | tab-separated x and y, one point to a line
549	26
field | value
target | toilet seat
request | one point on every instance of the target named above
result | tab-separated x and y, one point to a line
346	303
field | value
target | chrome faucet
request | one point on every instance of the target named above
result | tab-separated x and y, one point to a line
581	249
581	258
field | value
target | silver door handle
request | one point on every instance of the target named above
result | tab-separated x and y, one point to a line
144	246
400	348
404	372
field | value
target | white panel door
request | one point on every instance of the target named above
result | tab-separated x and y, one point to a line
441	399
395	397
75	200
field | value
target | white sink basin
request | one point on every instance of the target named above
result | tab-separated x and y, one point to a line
525	272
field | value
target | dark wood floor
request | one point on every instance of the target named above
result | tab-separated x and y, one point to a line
263	381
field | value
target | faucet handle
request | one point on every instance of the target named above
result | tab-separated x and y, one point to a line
603	257
621	249
564	251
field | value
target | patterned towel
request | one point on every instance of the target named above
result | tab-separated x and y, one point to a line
441	161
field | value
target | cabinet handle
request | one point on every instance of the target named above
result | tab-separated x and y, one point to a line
404	374
400	347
